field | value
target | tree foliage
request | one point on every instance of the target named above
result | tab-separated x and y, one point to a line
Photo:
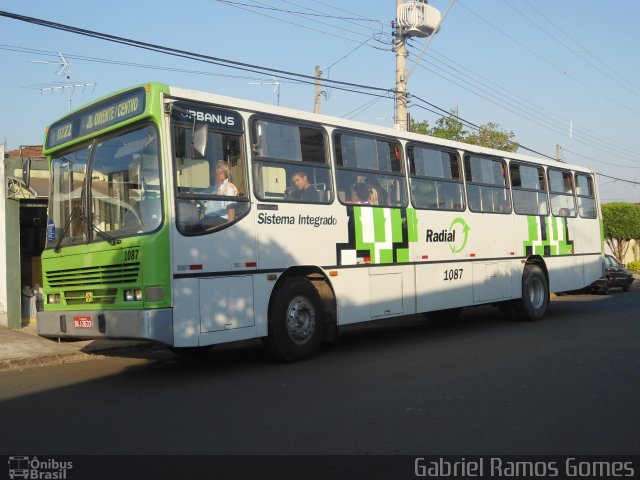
489	135
621	223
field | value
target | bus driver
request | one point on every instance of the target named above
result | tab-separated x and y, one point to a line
220	185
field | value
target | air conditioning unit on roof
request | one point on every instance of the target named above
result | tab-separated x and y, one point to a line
418	19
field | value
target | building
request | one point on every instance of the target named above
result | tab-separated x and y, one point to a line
23	223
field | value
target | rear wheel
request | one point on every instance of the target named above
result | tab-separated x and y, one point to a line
296	321
535	295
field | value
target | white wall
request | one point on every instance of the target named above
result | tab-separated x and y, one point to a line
3	242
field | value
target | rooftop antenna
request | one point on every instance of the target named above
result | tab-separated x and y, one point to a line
276	86
68	86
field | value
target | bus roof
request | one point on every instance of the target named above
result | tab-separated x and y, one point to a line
256	107
335	122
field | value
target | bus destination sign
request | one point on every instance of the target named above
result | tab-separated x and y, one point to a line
105	114
114	112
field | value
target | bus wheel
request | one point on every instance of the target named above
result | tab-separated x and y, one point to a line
296	321
535	294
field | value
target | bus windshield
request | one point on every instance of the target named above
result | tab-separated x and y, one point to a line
105	190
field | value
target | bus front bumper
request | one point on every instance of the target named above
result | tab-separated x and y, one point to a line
154	325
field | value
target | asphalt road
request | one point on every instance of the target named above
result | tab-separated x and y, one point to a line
480	385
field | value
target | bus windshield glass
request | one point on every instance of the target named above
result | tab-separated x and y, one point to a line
106	190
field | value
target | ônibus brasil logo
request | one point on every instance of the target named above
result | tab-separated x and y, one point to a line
38	469
456	235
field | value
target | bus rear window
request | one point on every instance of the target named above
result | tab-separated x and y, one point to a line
586	196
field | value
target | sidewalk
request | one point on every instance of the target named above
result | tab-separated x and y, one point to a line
24	348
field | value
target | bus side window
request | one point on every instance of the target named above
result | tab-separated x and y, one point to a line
487	186
562	193
436	183
529	189
376	162
290	162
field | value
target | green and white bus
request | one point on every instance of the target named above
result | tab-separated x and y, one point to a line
326	222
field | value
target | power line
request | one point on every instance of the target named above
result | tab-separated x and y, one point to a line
485	82
524	109
275	9
251	9
598	161
295	77
189	55
616	75
549	63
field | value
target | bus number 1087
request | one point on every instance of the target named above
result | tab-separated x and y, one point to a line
453	274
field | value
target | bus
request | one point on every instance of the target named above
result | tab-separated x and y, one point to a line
193	219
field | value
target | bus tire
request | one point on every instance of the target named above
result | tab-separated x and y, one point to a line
535	294
296	321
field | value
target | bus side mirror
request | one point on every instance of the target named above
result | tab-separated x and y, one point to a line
26	171
199	141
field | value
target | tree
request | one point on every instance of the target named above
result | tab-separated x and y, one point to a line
489	135
450	128
419	127
621	223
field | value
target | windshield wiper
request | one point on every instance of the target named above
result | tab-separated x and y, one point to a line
103	235
64	230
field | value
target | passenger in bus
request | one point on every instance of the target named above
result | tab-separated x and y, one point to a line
378	194
304	191
221	185
362	194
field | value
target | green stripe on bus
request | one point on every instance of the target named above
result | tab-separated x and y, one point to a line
412	226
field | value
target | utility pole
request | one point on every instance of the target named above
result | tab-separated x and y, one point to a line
558	152
401	84
413	19
316	106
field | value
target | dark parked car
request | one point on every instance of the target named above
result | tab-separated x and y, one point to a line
615	276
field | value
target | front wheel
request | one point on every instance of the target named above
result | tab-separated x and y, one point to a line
296	321
535	295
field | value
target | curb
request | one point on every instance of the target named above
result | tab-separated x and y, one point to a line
69	357
42	360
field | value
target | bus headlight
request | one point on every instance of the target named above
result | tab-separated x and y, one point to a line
53	298
134	295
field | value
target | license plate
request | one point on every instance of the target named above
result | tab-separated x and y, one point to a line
83	322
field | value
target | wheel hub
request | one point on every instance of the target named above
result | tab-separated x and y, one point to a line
301	320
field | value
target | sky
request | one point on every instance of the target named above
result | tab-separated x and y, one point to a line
553	72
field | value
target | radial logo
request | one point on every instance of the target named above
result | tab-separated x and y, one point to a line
456	235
